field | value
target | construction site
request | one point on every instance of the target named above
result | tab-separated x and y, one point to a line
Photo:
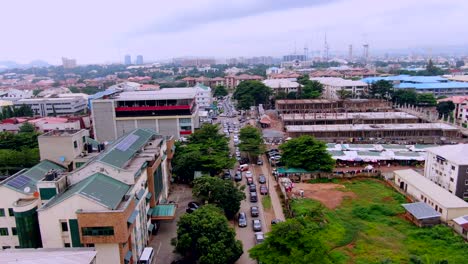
349	118
332	106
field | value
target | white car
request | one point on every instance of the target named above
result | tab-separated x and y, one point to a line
248	174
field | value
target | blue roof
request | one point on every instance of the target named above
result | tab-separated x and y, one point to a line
101	94
407	78
442	85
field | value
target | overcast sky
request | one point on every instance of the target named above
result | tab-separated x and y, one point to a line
96	31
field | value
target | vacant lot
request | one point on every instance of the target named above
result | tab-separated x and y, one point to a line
368	227
329	194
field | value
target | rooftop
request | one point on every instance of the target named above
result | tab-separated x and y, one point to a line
454	153
98	187
455	99
340	116
49	256
368	127
439	194
163	94
407	78
25	180
421	210
280	83
435	85
334	81
62	133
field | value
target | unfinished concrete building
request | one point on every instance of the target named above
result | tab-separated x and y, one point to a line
349	118
332	106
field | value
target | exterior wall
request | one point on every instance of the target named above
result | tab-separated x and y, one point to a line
61	106
462	182
104	120
125	126
108	253
49	219
59	126
8	198
86	171
54	147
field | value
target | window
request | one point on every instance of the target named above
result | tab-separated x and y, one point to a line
14	231
451	179
10	212
64	226
89	245
6	247
75	144
466	182
98	231
3	231
2	212
440	210
453	167
66	245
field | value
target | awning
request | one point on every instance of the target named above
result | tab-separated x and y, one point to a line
150	227
140	194
164	212
132	217
148	195
128	255
150	211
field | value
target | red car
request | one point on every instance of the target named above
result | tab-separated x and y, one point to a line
263	190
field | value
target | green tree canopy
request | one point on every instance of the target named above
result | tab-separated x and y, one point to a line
425	99
205	236
220	90
251	141
295	241
307	153
381	89
344	94
310	89
26	128
445	108
220	192
404	96
251	93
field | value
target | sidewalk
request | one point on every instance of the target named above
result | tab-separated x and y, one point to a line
275	200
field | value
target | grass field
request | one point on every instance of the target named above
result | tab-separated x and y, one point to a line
370	229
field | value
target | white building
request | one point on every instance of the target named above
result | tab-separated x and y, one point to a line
460	225
53	92
461	108
423	190
12	94
50	256
55	106
447	166
331	86
282	85
233	71
204	97
273	70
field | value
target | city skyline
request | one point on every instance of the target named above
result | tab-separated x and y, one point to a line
161	31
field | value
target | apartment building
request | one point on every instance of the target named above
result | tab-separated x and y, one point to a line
170	112
232	81
447	166
204	98
461	108
12	94
332	85
282	85
55	106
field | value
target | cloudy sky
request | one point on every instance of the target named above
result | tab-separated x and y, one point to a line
96	31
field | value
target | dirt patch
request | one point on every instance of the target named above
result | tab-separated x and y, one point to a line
388	199
327	193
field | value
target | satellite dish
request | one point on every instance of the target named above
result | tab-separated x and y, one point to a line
62	158
27	189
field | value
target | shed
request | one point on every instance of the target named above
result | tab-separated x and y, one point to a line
460	225
422	214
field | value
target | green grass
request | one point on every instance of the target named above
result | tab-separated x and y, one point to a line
266	202
370	229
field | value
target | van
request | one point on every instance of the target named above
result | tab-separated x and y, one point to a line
244	167
147	256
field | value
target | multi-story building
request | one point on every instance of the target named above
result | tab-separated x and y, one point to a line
55	106
170	112
332	85
139	60
231	81
331	106
12	94
282	85
461	104
294	57
204	98
128	60
68	63
447	166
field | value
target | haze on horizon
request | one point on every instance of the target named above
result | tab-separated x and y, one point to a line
105	30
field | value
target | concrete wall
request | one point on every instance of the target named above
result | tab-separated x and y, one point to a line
108	253
169	127
54	147
104	120
8	197
462	179
125	126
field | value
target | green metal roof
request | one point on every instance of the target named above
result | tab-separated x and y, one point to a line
30	177
124	148
368	153
131	219
99	187
393	146
420	146
291	170
336	152
92	142
201	85
164	211
407	154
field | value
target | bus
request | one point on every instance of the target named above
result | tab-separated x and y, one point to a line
147	256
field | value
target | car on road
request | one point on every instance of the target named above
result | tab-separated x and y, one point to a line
244	161
262	179
252	188
244	167
256	225
259	237
248	174
249	180
238	176
192	206
254	211
259	162
227	175
253	197
263	190
242	220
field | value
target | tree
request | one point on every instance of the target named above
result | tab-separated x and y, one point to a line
26	128
404	96
381	89
292	95
310	89
295	241
445	108
460	63
220	192
251	141
425	99
305	152
251	93
220	90
281	95
205	236
344	94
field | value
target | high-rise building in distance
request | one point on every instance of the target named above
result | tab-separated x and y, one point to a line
139	60
68	63
128	60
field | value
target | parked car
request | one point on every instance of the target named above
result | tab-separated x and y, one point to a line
254	211
259	237
238	176
227	175
256	225
249	180
253	197
252	188
242	220
259	162
248	174
262	179
194	205
275	221
244	167
263	190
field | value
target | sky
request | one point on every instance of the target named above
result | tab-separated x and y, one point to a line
104	31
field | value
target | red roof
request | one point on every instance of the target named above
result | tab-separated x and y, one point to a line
455	99
188	79
265	119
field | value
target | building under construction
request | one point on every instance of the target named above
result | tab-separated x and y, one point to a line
349	118
417	132
332	106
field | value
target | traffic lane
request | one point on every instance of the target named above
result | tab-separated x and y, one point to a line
245	234
259	204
